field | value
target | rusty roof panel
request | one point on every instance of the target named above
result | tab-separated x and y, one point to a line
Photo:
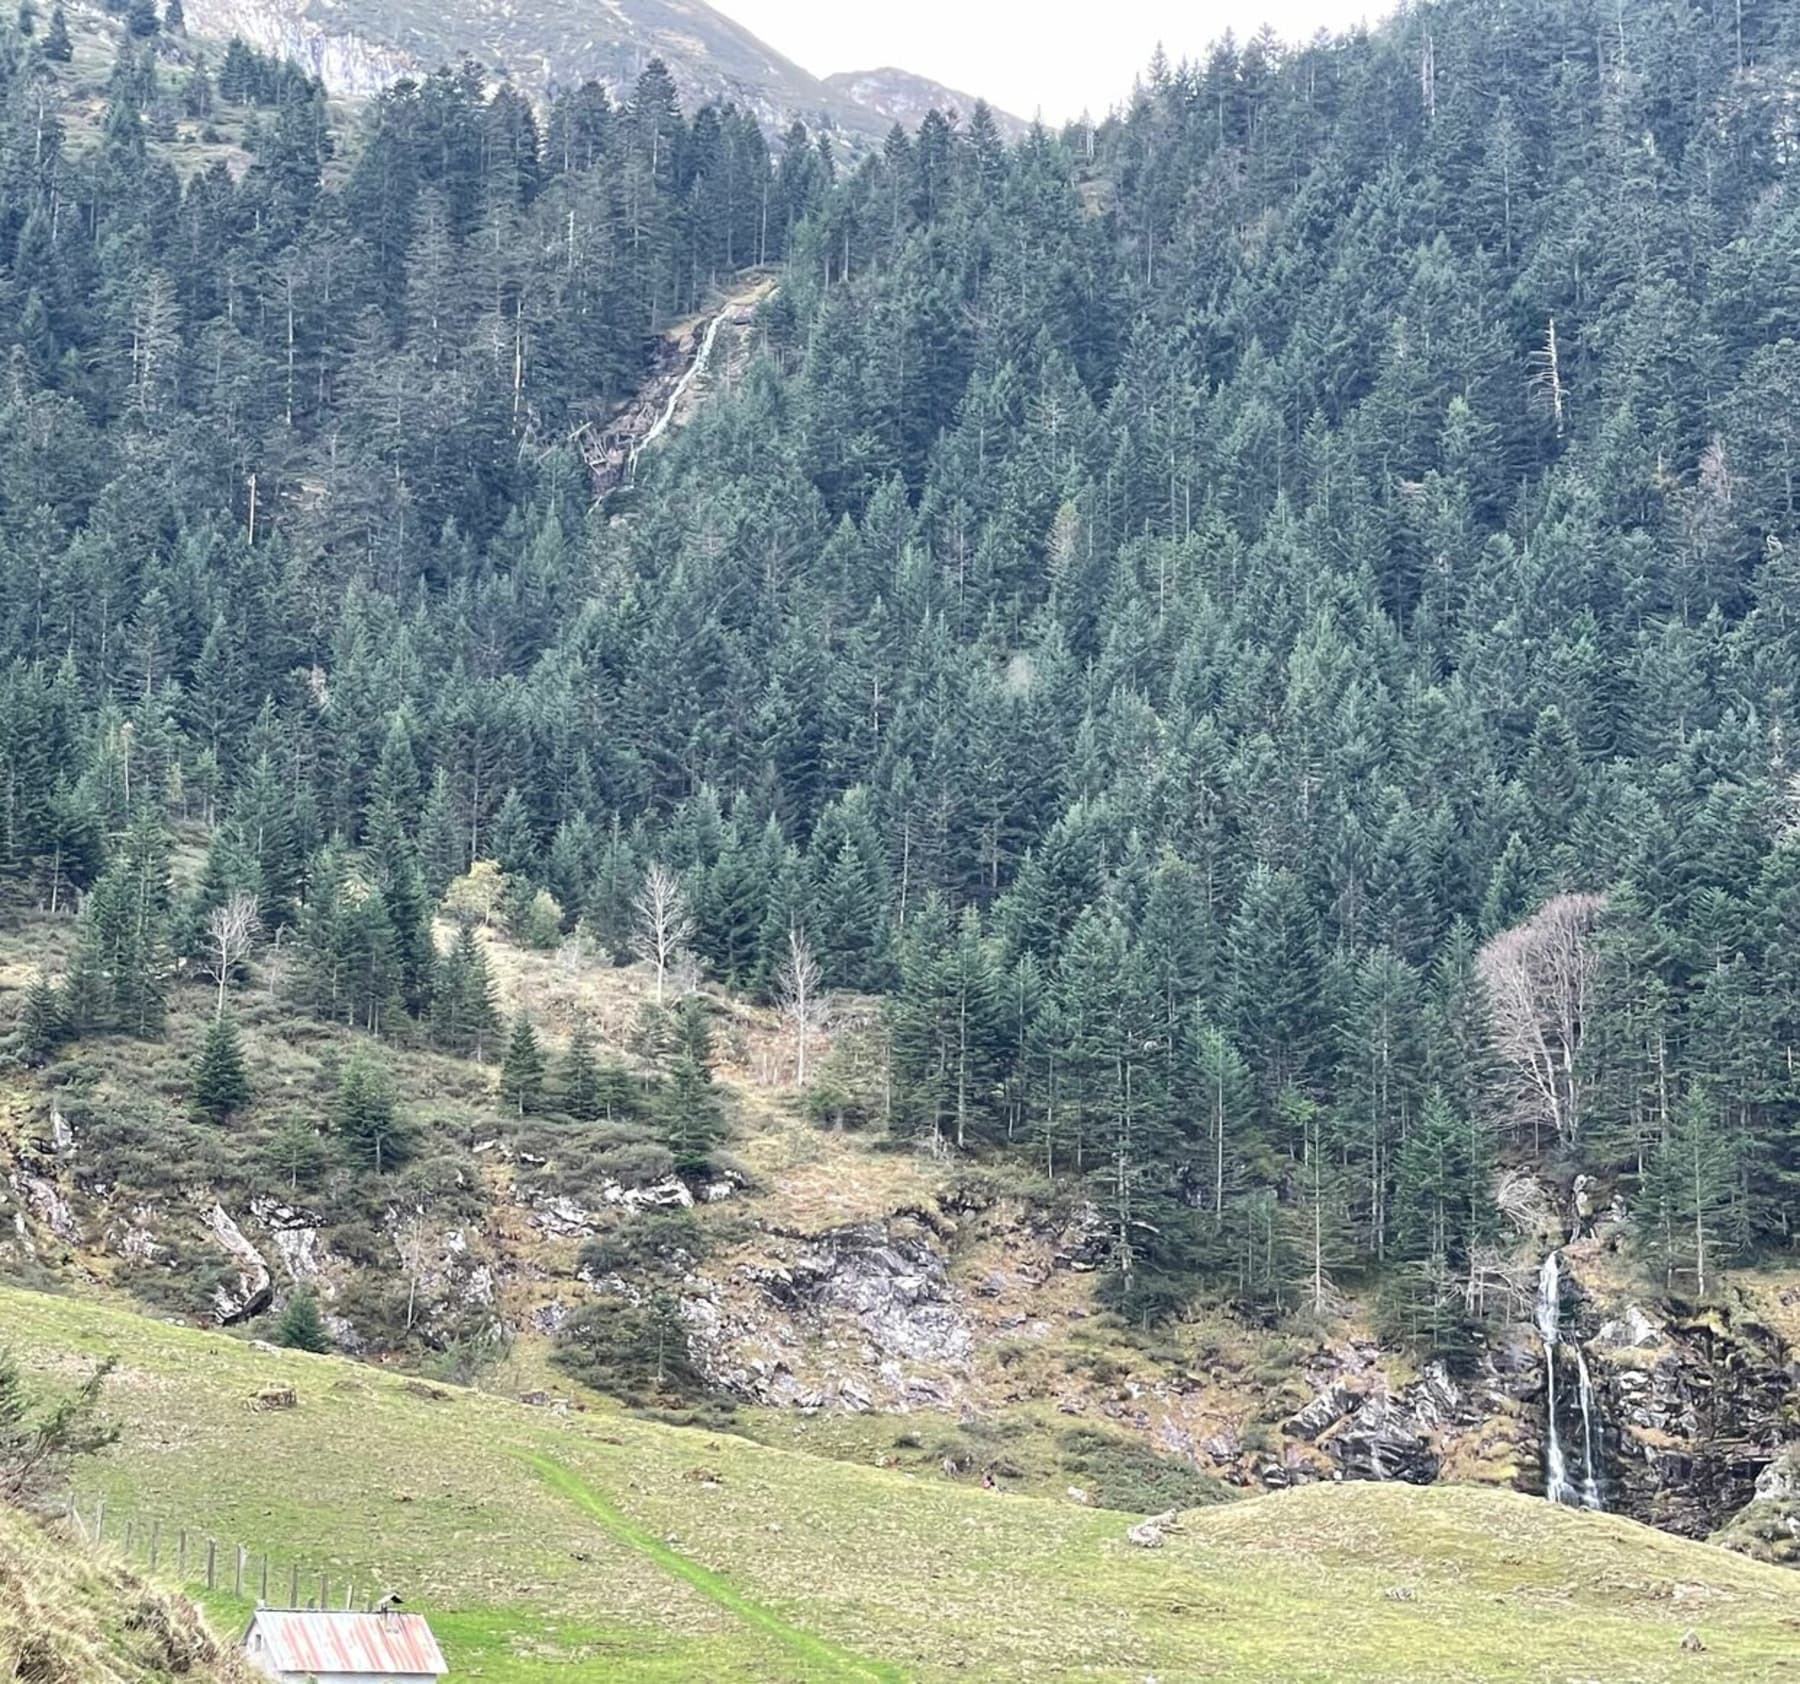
375	1645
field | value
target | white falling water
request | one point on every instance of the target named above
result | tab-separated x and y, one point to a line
1590	1448
1557	1485
1549	1325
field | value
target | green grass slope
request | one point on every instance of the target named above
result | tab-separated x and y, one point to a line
638	1551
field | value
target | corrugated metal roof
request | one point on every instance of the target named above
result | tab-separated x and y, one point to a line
377	1644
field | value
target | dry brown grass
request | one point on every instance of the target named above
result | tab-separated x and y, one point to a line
72	1615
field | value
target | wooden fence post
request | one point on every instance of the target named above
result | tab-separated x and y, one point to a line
294	1587
324	1593
264	1598
155	1543
237	1577
212	1563
100	1521
349	1597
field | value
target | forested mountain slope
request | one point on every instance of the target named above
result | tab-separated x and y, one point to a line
1261	635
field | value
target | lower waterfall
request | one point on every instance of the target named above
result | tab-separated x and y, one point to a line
1558	1486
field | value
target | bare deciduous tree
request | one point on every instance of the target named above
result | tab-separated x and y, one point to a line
665	926
797	985
232	931
1538	978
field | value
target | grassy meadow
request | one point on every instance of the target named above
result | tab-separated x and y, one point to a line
649	1552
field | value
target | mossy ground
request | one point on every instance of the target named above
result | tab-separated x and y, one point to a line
656	1553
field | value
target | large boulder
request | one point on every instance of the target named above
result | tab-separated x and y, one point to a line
248	1293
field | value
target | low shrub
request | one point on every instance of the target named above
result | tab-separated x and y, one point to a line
1124	1474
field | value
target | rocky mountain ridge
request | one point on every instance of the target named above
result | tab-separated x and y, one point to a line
359	47
903	97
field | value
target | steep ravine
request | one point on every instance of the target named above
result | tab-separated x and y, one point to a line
693	358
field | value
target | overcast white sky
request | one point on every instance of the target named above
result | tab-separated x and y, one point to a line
1025	55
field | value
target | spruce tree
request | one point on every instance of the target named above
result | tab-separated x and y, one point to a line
300	1327
221	1082
294	1152
522	1069
58	48
366	1118
580	1078
441	842
43	1021
693	1119
465	1016
1687	1218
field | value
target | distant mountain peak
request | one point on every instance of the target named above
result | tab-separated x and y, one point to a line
904	97
358	47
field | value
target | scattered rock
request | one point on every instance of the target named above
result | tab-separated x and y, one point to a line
429	1394
42	1199
1633	1329
1691	1644
1147	1535
277	1397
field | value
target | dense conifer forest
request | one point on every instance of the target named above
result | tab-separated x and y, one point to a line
1264	629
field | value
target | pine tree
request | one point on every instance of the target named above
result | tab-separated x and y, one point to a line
365	1116
465	1018
221	1082
121	972
1687	1216
441	856
43	1021
522	1069
58	48
295	1153
300	1327
692	1115
580	1078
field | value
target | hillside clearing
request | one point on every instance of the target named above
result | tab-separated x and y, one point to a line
535	1540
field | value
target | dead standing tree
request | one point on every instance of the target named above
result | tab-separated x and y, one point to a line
797	985
1538	979
231	932
664	925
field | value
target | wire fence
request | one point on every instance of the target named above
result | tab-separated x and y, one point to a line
190	1558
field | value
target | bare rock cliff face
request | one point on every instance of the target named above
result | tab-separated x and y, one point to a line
347	63
1698	1406
855	1318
